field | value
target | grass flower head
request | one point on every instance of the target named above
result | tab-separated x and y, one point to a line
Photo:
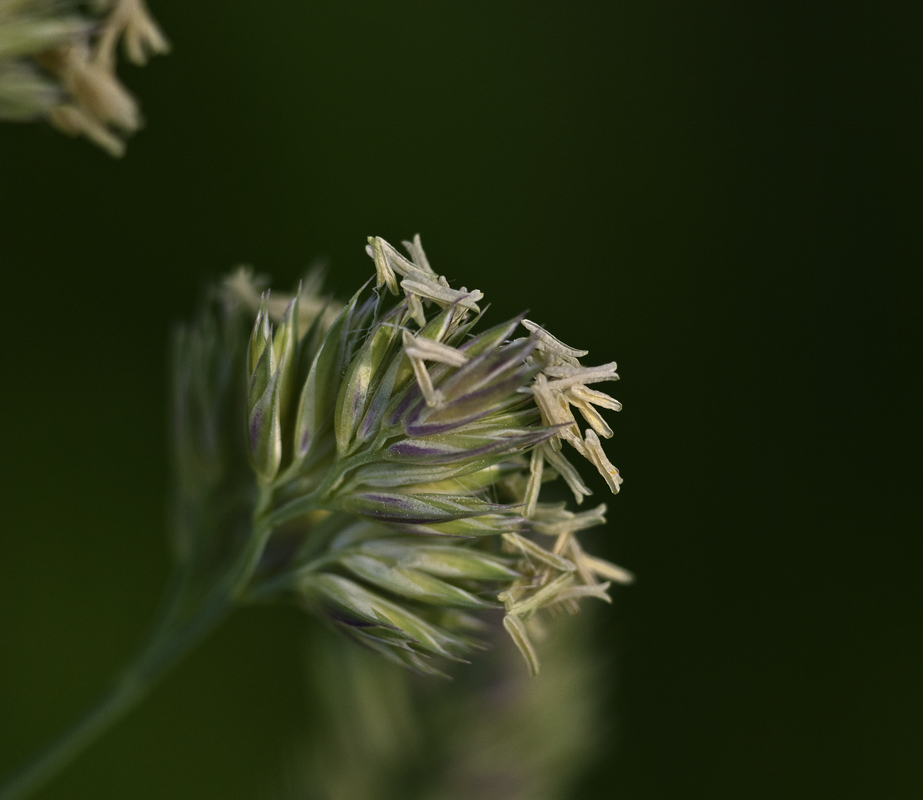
398	455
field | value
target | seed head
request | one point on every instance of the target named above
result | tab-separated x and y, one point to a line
399	456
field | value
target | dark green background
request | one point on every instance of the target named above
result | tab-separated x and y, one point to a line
723	197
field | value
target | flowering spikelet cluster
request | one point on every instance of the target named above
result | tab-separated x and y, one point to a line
398	456
59	65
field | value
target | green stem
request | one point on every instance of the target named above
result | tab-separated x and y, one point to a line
321	495
125	695
164	648
289	580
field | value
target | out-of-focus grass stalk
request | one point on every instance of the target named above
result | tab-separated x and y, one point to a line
128	691
170	640
376	732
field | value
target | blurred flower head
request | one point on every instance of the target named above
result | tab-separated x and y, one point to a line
60	65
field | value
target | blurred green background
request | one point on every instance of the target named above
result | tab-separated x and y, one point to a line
723	197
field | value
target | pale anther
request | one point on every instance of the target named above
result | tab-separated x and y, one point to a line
551	343
594	452
606	569
428	350
441	295
568	376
